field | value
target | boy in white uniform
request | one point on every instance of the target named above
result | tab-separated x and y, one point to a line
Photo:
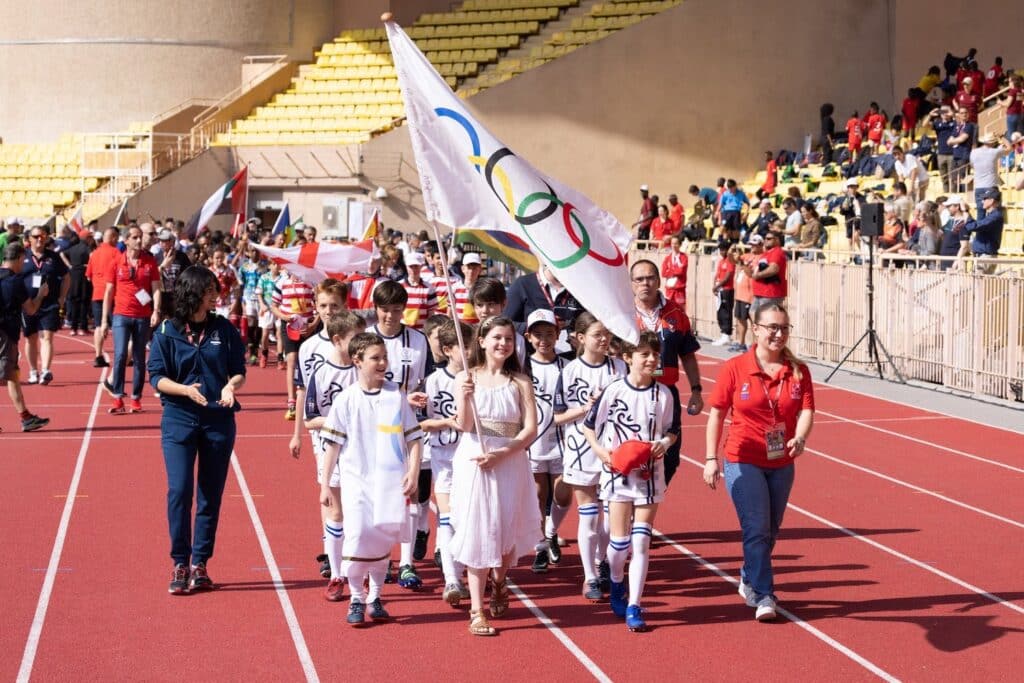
332	376
372	435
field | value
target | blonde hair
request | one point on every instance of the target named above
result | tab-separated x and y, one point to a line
787	353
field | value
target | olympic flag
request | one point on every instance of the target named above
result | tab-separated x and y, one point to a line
471	179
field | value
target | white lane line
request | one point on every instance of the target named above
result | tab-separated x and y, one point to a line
275	574
914	439
817	633
927	566
572	647
28	657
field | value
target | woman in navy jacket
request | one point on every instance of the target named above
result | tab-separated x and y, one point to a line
197	363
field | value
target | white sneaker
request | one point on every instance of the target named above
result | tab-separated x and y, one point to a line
765	609
33	377
747	593
722	341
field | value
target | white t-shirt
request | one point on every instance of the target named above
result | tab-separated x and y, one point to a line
576	384
441	404
545	378
408	352
906	167
324	385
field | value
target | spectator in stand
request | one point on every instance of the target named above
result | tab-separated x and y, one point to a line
661	227
673	270
894	231
766	217
80	293
970	70
961	142
793	220
716	219
828	132
854	136
943	125
43	265
1013	100
768	274
705	205
930	79
850	210
771	175
100	262
912	172
874	123
900	201
676	212
987	229
927	238
992	78
985	162
648	211
967	100
810	230
744	292
723	290
732	207
911	107
955	238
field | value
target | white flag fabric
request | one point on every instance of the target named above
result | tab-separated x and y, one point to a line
470	179
314	261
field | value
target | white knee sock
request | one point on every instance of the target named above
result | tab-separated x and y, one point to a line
356	572
406	555
558	513
334	536
618	551
603	532
641	540
423	519
378	570
588	539
444	537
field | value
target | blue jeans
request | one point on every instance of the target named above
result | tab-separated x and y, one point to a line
759	495
137	331
1014	124
184	437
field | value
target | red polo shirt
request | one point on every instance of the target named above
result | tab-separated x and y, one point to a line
724	273
774	287
128	280
98	268
745	388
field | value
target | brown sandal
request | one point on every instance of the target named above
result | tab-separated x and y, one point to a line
478	624
499	597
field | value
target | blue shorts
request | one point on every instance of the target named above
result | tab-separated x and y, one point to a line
47	319
97	313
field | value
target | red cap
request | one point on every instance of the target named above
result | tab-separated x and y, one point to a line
631	455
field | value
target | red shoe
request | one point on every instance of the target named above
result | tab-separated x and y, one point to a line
117	407
135	406
335	591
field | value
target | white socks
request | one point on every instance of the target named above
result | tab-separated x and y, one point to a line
378	572
558	513
618	551
452	569
603	532
334	536
641	541
587	538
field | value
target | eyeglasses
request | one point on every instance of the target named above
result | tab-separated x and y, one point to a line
776	329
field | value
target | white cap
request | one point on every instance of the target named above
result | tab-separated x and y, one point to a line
541	315
644	188
414	258
852	182
471	258
756	239
954	200
13	220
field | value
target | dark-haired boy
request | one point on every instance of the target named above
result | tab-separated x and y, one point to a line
488	298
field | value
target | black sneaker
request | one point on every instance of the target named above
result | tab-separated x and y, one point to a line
377	611
356	613
540	562
200	580
179	580
100	362
437	559
389	576
604	576
419	549
34	422
325	566
592	591
554	550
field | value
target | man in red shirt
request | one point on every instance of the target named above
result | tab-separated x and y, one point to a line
771	174
854	135
133	295
675	214
874	121
769	274
96	270
992	78
967	100
724	290
648	212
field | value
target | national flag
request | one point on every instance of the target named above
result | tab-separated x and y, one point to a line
284	219
373	227
241	189
314	261
500	246
471	179
229	198
77	222
121	219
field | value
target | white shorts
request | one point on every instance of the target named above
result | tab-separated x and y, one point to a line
266	321
250	309
335	475
575	477
552	466
441	472
633	488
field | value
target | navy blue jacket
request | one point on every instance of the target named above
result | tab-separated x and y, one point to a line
218	357
988	233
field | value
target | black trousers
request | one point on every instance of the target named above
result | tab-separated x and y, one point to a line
79	300
725	305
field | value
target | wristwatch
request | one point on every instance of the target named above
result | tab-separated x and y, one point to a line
696	388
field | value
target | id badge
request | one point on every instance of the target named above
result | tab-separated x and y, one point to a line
775	441
143	297
37	281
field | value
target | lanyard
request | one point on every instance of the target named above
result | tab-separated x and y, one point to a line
544	291
773	405
37	262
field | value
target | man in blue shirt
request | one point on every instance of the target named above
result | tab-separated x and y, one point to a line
987	231
943	125
731	207
43	265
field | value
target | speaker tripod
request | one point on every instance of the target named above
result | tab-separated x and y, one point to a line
874	343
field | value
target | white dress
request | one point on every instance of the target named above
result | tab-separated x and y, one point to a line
493	512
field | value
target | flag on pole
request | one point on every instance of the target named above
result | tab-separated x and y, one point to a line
373	227
500	246
77	222
241	190
471	179
122	214
229	198
284	219
314	261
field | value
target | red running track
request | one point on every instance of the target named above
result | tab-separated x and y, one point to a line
899	559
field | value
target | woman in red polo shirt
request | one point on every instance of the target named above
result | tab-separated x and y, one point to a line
771	397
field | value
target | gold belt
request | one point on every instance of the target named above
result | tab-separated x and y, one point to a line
498	428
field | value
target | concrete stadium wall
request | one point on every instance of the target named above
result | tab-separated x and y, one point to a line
696	92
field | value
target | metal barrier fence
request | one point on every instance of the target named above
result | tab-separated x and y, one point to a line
960	330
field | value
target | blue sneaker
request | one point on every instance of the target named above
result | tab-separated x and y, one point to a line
356	613
377	611
408	578
634	619
592	591
617	598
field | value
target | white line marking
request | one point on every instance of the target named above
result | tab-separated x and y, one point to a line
895	553
572	647
820	635
32	644
275	574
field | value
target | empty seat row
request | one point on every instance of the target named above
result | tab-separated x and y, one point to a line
608	9
470	5
334	111
294	99
489	16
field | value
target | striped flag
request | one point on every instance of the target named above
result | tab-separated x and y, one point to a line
77	222
500	246
230	198
373	227
314	261
284	219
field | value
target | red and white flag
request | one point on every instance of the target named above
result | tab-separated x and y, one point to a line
77	222
314	261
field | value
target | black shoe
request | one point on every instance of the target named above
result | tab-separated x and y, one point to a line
554	550
356	613
131	362
419	549
34	422
377	611
110	388
199	579
604	575
179	580
100	362
325	566
540	563
437	559
389	576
